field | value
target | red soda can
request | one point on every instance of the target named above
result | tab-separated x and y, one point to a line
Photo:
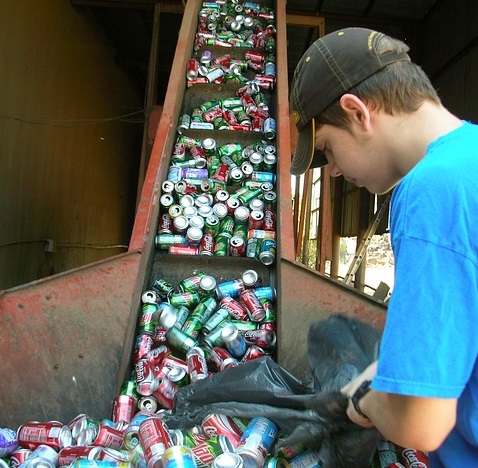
109	437
164	390
156	355
197	365
18	456
272	326
165	225
68	454
269	220
256	219
254	308
144	376
262	338
124	407
220	424
160	334
222	173
237	247
206	246
253	352
178	249
254	56
192	71
154	439
236	309
412	458
222	359
52	433
173	361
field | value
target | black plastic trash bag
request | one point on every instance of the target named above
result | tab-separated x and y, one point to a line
311	413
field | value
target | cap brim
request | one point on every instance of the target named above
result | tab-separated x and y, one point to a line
306	156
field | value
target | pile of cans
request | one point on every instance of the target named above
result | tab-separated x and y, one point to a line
226	208
234	24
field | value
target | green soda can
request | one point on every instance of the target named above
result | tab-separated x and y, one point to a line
205	453
229	149
242	325
221	316
208	105
185	299
269	308
162	287
246	197
221	247
212	163
197	115
164	241
183	314
211	225
205	309
191	284
129	388
179	340
226	228
230	103
240	230
148	321
192	327
253	246
214	337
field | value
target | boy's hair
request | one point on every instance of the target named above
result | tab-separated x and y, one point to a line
400	87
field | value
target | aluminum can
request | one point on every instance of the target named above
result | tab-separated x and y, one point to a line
162	287
213	338
412	458
110	454
174	174
241	214
52	433
226	227
109	437
164	390
221	424
84	463
221	246
269	220
267	253
206	452
252	305
124	407
194	235
183	249
211	225
185	119
207	244
229	288
240	230
253	352
154	439
185	299
83	421
250	278
164	241
207	284
209	146
43	456
309	458
232	204
265	292
275	462
235	308
147	403
197	365
191	283
68	454
144	376
256	219
175	210
192	70
189	437
256	204
233	340
18	456
166	200
131	437
257	440
178	376
165	224
180	225
148	318
228	460
192	326
8	441
220	210
168	318
179	340
222	359
220	316
149	297
249	194
263	177
269	308
262	338
156	355
237	247
178	456
253	247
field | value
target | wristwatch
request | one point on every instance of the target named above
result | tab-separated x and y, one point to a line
360	393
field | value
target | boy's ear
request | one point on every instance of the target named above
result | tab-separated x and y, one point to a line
356	110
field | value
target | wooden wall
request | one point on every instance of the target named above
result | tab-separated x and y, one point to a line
69	164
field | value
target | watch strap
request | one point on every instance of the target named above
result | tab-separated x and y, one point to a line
359	393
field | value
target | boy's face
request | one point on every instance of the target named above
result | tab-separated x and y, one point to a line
361	155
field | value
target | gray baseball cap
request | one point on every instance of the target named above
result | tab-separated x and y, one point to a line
330	67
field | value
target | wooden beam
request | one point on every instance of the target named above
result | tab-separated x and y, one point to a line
174	7
307	21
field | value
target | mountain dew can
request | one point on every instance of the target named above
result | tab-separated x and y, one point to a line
206	452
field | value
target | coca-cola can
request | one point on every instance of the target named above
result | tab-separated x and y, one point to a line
164	391
109	437
237	247
68	454
197	365
18	456
124	407
252	305
236	309
52	433
262	338
412	458
154	439
253	352
220	424
222	359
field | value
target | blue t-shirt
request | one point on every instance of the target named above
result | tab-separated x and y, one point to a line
430	342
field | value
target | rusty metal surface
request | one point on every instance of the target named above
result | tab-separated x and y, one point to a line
62	342
308	296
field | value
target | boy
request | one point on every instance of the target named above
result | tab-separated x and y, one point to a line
361	106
